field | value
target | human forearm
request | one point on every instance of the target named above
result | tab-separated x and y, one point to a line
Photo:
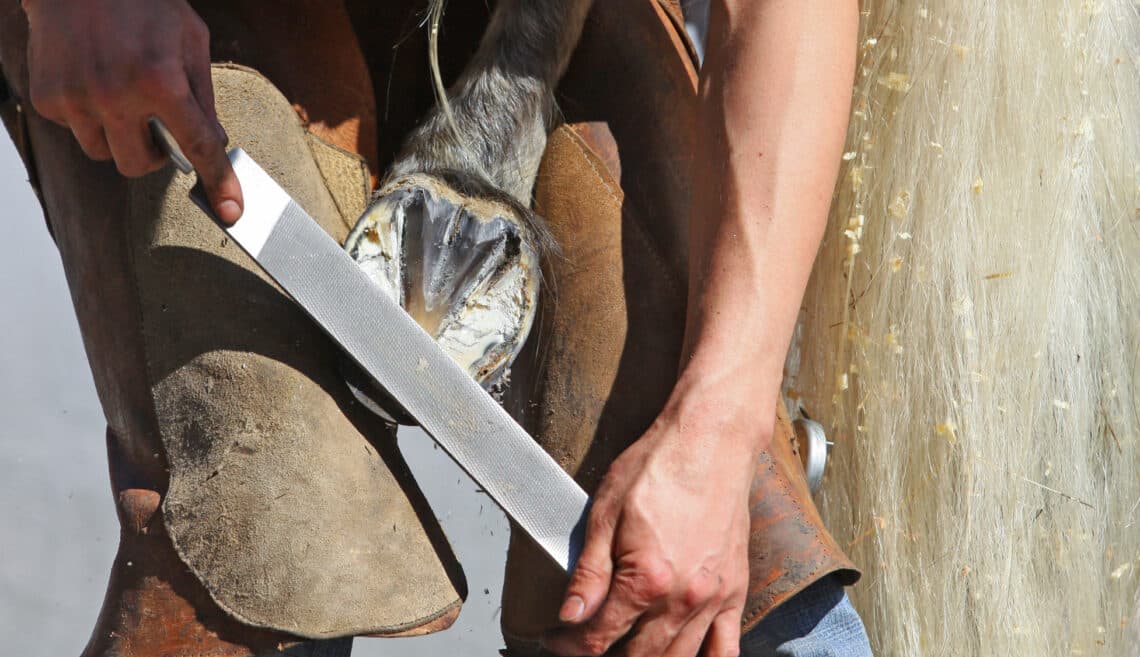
774	98
774	102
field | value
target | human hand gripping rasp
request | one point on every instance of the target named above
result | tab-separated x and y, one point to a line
387	344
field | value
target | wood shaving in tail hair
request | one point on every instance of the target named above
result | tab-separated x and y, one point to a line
972	329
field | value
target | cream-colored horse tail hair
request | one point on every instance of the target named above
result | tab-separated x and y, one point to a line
972	330
1132	638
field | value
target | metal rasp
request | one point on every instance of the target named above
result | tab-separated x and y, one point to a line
387	344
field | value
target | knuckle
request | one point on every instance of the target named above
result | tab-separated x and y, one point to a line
99	153
49	102
701	590
615	472
154	163
198	31
657	578
623	469
648	581
130	168
587	570
617	476
722	597
600	520
202	145
105	92
735	610
157	77
595	645
604	497
135	167
105	78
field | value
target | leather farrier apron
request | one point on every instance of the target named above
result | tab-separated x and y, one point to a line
259	504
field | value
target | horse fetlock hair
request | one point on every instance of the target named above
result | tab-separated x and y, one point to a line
493	122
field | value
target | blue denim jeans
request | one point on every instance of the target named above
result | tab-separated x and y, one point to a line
817	622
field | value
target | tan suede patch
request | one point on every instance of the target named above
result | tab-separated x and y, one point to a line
346	178
288	501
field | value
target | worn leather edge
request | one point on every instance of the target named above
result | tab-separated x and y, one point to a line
342	171
827	557
410	628
676	16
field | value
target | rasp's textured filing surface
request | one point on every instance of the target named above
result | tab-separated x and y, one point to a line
394	350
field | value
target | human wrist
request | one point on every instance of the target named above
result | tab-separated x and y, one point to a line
732	407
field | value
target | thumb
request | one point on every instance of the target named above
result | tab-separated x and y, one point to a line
590	581
213	167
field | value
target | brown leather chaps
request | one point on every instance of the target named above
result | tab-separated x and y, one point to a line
259	504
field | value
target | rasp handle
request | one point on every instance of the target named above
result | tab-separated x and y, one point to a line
168	144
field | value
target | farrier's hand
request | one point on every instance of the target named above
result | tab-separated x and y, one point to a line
103	67
666	551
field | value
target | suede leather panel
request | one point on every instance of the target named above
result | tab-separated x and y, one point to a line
156	367
346	177
282	498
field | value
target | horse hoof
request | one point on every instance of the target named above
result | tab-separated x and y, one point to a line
462	260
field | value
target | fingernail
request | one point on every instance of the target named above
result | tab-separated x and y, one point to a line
572	609
228	211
